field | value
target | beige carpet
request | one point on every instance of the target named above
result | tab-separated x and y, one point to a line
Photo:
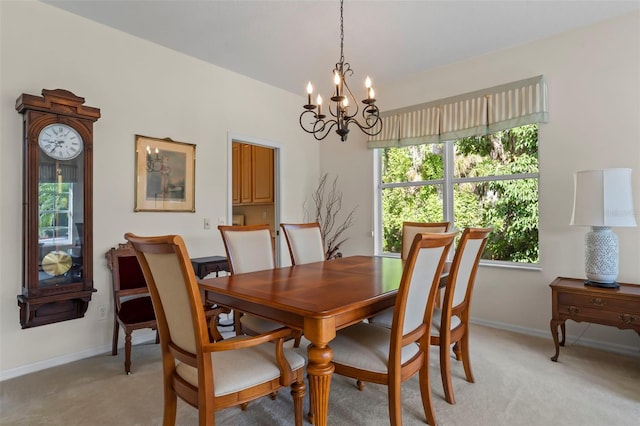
516	384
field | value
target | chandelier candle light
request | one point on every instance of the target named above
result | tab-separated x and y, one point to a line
339	104
602	199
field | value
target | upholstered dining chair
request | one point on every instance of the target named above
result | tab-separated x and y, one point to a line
451	323
304	241
132	305
249	248
377	354
410	229
208	375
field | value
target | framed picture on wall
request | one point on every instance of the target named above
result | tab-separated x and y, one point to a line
165	175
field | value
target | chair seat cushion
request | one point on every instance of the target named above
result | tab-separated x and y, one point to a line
257	324
384	318
136	310
437	320
366	347
239	369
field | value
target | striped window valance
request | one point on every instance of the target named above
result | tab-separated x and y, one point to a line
389	135
517	104
472	114
419	126
463	118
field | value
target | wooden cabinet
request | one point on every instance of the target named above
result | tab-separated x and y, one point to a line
262	174
571	299
252	171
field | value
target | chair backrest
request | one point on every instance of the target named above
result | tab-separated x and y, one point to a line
410	229
176	298
462	274
249	248
415	301
126	274
304	241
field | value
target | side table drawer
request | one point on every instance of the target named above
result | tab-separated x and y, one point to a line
599	302
211	268
620	319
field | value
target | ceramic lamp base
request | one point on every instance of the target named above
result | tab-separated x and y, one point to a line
601	255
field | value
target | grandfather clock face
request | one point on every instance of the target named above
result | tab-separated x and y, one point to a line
60	141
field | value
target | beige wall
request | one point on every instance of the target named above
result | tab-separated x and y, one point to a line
141	88
593	77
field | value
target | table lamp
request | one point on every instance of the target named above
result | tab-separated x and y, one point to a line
602	199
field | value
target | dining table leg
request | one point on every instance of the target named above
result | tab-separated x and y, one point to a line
319	372
320	368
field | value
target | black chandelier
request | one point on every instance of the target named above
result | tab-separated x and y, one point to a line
314	122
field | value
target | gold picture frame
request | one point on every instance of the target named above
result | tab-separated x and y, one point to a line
165	175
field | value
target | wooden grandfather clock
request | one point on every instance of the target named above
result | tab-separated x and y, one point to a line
57	209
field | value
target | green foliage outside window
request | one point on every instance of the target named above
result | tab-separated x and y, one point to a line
509	203
53	199
410	203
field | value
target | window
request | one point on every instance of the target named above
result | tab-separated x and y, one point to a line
55	201
471	159
478	181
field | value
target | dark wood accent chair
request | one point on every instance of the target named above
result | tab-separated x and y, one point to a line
390	356
245	368
133	309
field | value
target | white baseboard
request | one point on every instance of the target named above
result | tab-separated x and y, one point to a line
65	359
576	340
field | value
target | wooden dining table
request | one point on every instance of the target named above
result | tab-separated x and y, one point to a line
317	298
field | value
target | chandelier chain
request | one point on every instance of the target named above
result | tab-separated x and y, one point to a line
341	33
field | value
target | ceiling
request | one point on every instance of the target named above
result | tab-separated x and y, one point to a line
287	43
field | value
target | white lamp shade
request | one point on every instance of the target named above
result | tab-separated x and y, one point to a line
603	198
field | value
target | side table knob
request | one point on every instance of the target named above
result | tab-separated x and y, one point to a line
627	318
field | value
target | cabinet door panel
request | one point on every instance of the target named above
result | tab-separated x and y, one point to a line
246	193
262	174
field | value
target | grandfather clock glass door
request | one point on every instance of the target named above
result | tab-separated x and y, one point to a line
60	222
58	207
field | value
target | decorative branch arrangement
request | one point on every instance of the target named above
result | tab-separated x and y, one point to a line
328	204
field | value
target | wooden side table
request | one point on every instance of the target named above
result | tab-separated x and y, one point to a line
571	299
204	266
